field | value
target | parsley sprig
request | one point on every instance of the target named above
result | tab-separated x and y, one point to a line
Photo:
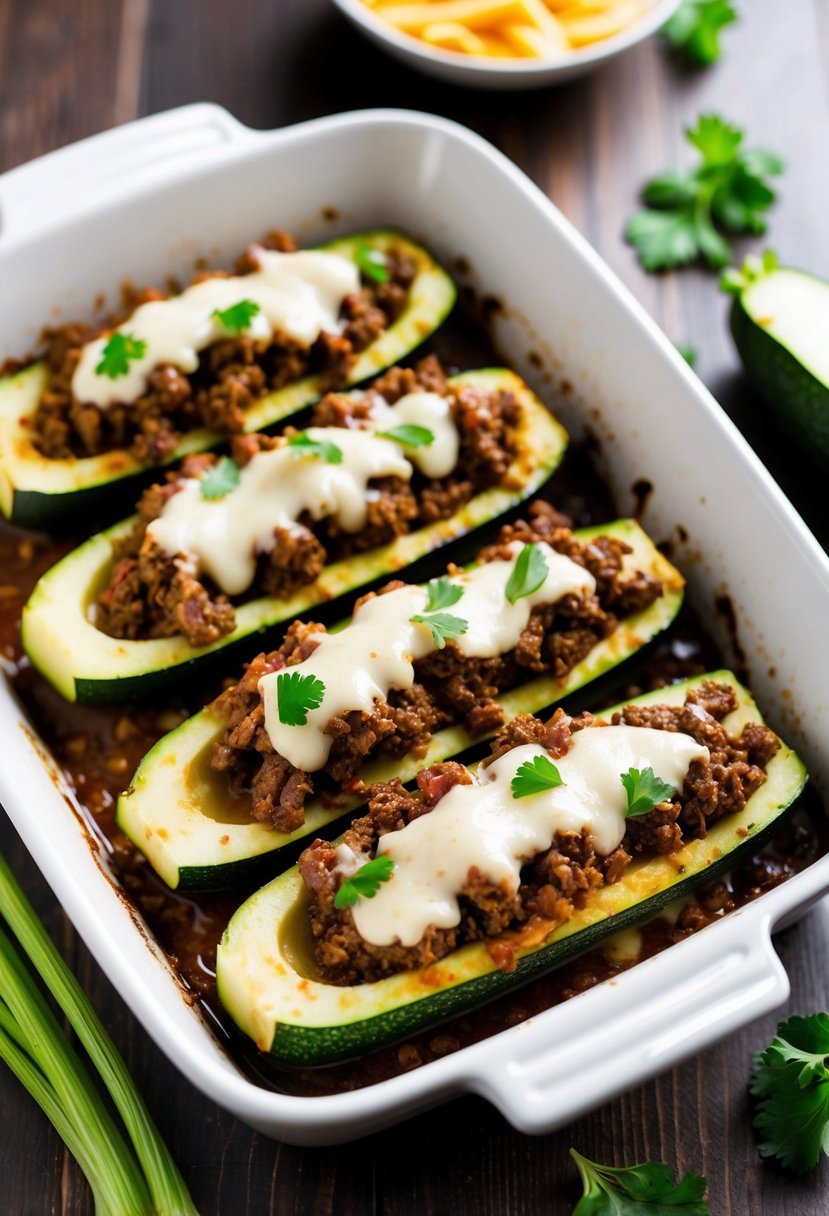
220	479
365	882
440	593
120	351
236	319
790	1081
303	445
410	435
635	1190
687	213
534	777
528	573
694	29
372	263
644	790
296	696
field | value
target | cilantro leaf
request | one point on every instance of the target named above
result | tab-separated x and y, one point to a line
686	214
442	625
365	882
528	573
296	696
322	449
644	790
372	263
790	1080
534	777
220	479
238	317
636	1190
120	351
442	594
694	29
409	435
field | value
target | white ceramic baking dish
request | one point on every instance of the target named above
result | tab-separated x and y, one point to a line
144	200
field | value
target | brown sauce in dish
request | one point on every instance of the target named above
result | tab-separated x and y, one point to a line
98	749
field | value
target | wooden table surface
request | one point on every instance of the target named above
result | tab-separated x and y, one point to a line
69	68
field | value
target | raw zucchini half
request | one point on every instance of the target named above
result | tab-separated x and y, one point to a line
177	810
85	664
41	493
780	323
268	984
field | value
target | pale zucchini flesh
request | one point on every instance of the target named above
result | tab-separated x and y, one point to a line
85	664
39	492
268	983
177	810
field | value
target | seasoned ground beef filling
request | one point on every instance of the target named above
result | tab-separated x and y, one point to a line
232	374
557	882
151	594
449	688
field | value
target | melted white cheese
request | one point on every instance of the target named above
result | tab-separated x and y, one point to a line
482	825
299	295
376	652
223	536
429	410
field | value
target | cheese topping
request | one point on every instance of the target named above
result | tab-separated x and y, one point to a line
223	536
483	826
429	410
376	652
299	295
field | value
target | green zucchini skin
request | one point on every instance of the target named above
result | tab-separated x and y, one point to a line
163	812
86	665
36	492
265	973
769	316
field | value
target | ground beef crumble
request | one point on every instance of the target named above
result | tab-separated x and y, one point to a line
153	594
232	373
555	883
449	687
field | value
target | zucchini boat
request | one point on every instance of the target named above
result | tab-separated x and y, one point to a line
269	983
40	492
85	664
177	810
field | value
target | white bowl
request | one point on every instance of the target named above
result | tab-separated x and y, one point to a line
478	72
146	199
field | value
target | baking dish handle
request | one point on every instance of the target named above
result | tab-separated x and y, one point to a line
636	1029
83	174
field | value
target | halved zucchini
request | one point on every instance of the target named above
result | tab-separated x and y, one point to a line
39	493
177	810
268	983
85	664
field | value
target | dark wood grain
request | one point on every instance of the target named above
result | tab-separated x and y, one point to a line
69	68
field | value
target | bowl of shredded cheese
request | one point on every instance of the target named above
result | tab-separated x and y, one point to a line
506	43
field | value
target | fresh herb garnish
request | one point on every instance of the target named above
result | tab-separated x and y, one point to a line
236	319
644	790
220	480
442	625
120	351
635	1190
409	435
685	211
688	353
322	449
734	280
372	263
296	696
534	777
790	1081
442	594
694	29
365	882
34	1045
528	573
